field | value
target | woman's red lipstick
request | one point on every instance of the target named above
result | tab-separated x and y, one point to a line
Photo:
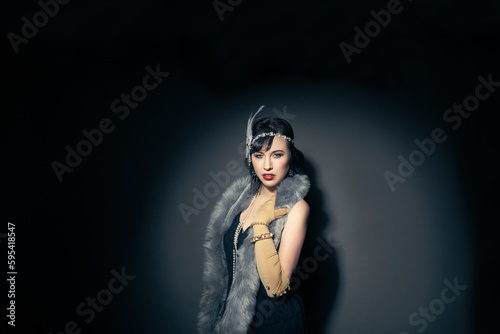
268	176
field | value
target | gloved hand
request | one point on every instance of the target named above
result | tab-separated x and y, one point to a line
267	213
269	267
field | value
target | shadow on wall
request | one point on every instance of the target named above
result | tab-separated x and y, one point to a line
318	267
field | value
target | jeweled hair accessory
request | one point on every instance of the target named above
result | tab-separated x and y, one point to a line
250	139
271	134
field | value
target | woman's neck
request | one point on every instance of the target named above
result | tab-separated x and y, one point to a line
267	192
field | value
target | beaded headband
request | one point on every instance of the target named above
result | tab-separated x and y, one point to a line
271	134
251	140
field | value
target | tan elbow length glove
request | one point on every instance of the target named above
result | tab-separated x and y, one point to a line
269	267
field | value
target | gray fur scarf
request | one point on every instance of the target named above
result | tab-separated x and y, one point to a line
241	302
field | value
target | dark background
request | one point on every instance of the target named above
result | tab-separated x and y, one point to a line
120	207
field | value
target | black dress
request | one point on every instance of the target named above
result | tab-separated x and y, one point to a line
283	315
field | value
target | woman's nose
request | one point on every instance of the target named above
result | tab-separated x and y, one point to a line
268	165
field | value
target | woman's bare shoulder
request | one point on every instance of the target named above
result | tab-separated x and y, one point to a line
301	208
299	211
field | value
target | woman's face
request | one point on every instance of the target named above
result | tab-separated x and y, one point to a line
272	166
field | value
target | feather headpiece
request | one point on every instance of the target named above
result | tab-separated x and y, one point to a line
250	135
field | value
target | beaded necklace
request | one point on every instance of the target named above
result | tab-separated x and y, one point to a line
238	230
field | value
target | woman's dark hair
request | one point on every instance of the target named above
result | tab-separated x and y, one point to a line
276	125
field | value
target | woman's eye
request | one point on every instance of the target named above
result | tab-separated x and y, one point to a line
278	155
258	156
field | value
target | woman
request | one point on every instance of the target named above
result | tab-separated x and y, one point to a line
252	248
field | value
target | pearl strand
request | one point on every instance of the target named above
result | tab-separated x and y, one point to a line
238	229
